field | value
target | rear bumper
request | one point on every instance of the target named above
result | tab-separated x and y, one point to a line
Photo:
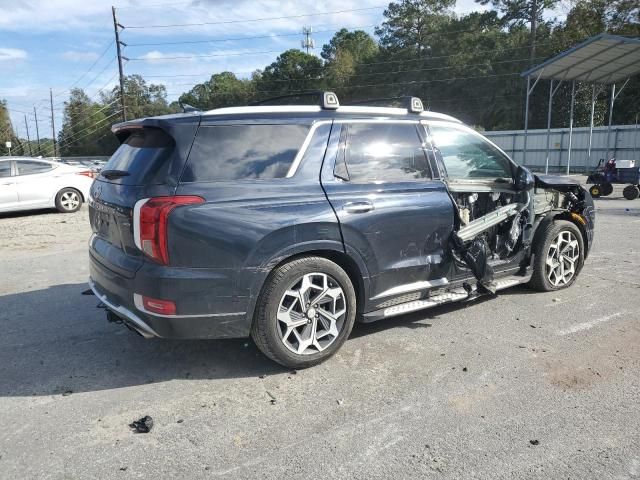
207	316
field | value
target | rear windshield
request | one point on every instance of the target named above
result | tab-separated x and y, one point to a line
236	152
142	155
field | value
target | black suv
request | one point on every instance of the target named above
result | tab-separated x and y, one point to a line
290	222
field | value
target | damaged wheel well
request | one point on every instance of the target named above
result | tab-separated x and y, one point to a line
562	215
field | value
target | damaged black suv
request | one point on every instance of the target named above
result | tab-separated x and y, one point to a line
289	223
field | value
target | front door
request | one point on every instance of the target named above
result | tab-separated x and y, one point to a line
8	193
391	210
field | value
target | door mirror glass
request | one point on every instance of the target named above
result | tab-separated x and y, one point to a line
524	179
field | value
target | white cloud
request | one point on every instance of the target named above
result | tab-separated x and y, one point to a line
9	54
75	56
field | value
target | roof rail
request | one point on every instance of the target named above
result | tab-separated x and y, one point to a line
326	100
412	104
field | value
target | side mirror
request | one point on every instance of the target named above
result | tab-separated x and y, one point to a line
524	179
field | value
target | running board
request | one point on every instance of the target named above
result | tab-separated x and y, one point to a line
455	295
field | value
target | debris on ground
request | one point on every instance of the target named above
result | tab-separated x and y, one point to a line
262	376
339	401
556	299
464	369
66	393
180	421
123	469
273	399
534	442
144	425
533	326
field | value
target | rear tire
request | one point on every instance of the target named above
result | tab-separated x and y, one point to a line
68	200
305	312
607	189
559	256
630	192
595	191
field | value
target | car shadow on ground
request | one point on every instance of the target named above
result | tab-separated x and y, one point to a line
56	341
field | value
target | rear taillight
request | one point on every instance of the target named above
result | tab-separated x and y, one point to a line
87	173
150	217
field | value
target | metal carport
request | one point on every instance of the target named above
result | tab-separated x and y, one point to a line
602	60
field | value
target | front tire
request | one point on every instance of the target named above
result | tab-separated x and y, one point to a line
305	312
68	200
595	191
559	256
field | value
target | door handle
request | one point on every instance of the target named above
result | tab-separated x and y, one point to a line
358	207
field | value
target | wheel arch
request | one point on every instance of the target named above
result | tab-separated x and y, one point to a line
562	215
351	263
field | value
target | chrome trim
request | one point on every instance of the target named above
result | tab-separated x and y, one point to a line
145	330
137	300
411	287
305	146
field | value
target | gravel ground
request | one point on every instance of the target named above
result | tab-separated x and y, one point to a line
526	385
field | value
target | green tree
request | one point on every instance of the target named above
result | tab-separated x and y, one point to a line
85	127
141	98
344	52
293	71
221	90
7	133
523	12
409	24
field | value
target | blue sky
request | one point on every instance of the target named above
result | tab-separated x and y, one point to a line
63	43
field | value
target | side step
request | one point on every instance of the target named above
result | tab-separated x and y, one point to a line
454	295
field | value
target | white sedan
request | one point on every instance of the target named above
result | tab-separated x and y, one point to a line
31	183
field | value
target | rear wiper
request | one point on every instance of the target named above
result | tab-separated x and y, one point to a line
110	174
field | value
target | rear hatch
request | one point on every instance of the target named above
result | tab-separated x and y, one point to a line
147	164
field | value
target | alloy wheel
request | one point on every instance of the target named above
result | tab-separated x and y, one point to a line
562	259
69	200
311	314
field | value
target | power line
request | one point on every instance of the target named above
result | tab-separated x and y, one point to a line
235	39
432	69
204	55
284	17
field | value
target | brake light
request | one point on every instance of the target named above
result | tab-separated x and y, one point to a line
150	217
87	173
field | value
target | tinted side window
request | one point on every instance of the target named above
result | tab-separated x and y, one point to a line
5	169
28	167
236	152
387	152
467	155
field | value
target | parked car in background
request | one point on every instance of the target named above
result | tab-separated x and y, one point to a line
32	183
289	222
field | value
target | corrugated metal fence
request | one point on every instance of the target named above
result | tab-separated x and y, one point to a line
624	145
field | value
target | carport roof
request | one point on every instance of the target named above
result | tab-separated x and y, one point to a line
601	59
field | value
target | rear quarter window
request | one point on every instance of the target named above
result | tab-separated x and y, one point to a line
144	154
238	152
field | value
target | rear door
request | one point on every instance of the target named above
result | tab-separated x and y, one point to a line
34	183
391	207
8	193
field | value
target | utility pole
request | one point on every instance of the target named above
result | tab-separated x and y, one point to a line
308	42
26	126
53	126
35	114
116	25
534	28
